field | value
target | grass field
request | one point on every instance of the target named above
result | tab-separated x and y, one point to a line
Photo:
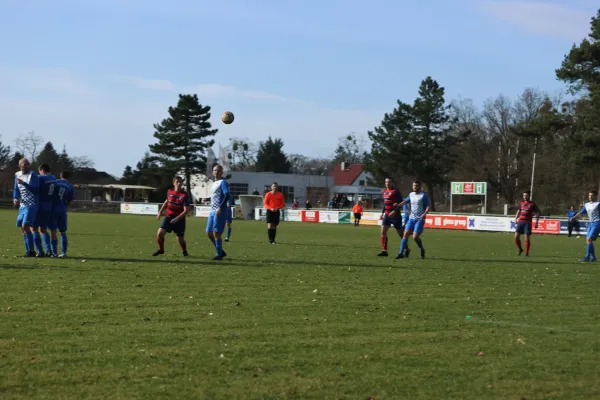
316	317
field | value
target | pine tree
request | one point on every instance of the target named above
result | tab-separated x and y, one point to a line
49	156
271	158
183	139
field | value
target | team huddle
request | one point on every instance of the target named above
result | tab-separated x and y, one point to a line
43	200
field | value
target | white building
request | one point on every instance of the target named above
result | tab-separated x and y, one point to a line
316	188
352	180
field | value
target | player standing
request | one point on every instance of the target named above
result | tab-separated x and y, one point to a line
63	195
229	217
25	195
274	203
177	206
524	220
419	208
391	199
47	188
592	209
217	217
357	210
572	223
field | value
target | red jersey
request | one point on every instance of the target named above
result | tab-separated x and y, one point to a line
527	209
390	197
176	201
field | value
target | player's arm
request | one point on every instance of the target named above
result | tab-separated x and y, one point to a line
582	212
427	205
16	193
34	184
162	208
537	213
225	197
517	214
267	201
280	202
186	209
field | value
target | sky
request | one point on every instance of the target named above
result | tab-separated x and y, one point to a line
95	75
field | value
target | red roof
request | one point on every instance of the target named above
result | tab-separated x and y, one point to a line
347	176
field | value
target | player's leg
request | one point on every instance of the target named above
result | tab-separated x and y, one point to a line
270	226
64	240
569	228
27	227
518	232
400	232
37	237
218	228
385	227
179	230
528	233
275	224
592	235
160	241
24	229
417	232
408	230
52	227
228	224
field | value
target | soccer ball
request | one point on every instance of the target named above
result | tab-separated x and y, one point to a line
227	117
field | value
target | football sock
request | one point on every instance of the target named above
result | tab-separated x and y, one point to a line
419	243
403	245
593	250
183	245
590	250
518	243
29	239
271	233
228	233
37	239
47	243
527	246
161	243
384	243
274	233
219	246
54	244
64	242
27	248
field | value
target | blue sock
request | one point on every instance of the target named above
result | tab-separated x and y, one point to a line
591	251
37	240
228	232
54	244
419	243
47	245
27	248
213	242
403	245
29	239
64	243
219	246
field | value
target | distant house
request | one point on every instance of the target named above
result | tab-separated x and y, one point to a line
352	180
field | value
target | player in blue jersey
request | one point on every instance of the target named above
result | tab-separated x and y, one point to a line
25	195
44	215
229	217
218	215
592	210
64	193
419	206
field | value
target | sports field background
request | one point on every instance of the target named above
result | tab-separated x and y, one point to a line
318	316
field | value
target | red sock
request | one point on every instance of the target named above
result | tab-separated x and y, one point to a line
384	242
161	243
183	245
518	242
527	246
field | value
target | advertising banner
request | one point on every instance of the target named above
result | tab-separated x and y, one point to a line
293	215
204	211
329	217
549	226
564	228
493	224
310	216
456	222
369	218
344	217
139	208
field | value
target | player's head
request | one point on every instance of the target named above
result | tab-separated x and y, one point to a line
572	208
274	187
24	165
218	172
389	183
44	169
526	195
416	186
65	174
177	182
593	195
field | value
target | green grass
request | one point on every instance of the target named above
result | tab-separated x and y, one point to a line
316	317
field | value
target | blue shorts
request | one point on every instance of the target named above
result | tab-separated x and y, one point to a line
43	219
178	227
415	225
229	215
58	220
593	230
524	228
389	221
27	216
216	223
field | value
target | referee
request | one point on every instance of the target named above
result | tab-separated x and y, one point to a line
274	203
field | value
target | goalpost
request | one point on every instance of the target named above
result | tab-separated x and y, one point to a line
469	189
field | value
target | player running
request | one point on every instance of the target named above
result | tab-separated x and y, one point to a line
524	220
64	193
217	218
177	206
25	195
229	217
274	203
592	210
43	219
391	199
419	206
357	210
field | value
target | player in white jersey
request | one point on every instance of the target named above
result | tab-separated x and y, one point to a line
25	195
419	205
218	214
592	209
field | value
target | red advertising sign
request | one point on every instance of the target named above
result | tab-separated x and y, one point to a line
456	222
547	226
468	188
310	216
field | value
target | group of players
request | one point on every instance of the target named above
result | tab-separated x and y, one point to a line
42	200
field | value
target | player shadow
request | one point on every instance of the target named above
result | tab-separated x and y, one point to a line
525	260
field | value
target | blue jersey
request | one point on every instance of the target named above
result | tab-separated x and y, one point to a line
418	203
63	194
571	213
27	192
46	192
220	194
592	209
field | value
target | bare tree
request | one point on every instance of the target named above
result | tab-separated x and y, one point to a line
29	144
81	162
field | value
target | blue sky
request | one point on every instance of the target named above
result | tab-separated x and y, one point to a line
96	74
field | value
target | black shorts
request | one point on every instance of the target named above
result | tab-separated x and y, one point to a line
178	227
273	217
357	216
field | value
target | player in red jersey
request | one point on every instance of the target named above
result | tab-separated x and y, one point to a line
177	206
391	198
524	221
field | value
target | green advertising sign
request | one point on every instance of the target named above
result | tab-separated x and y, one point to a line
473	188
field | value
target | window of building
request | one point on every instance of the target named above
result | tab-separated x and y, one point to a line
361	183
288	193
238	189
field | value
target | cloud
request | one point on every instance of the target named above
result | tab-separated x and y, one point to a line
542	18
53	79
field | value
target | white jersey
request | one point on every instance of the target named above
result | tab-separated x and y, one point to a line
26	197
418	203
592	209
219	194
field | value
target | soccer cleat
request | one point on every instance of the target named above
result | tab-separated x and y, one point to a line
407	253
217	258
48	254
158	253
226	240
399	256
223	254
40	255
30	254
584	259
63	255
520	252
185	253
526	254
383	254
423	254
